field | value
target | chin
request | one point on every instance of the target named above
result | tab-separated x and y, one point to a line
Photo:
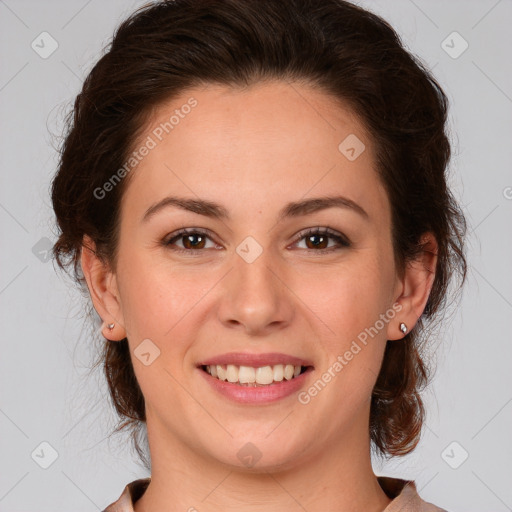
260	454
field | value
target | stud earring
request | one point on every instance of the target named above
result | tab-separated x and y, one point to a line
111	326
403	327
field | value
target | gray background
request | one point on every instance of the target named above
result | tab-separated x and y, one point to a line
46	392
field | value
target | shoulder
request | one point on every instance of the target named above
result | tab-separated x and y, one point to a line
403	493
405	497
131	493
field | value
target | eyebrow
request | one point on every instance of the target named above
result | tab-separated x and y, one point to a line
293	209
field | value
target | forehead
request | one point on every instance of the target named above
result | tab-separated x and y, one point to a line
270	114
264	142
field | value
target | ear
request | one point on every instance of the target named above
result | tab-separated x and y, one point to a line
102	285
413	289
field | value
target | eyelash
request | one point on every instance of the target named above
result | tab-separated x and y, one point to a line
340	239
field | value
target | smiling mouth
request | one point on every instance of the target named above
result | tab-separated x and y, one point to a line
249	376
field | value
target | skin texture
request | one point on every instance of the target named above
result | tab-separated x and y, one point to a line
253	151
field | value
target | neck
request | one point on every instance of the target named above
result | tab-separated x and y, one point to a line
339	478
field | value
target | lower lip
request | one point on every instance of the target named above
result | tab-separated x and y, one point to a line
257	395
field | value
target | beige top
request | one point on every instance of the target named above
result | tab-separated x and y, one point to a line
403	493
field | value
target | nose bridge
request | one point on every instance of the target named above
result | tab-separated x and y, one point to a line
255	298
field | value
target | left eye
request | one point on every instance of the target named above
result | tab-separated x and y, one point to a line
317	240
192	239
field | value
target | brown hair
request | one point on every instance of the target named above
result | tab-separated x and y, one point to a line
351	54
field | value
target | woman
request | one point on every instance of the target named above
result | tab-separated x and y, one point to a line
255	195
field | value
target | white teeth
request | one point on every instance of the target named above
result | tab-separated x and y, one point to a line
247	375
279	372
265	375
221	372
232	373
288	372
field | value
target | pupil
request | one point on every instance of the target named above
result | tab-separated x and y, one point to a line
189	240
318	236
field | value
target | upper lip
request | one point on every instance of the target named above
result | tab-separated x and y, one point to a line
255	360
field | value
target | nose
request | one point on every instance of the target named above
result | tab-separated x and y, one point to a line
255	296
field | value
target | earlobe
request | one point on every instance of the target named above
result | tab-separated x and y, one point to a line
102	285
416	285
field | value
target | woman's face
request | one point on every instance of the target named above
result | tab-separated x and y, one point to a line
259	169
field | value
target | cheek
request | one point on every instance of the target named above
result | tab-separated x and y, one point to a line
351	305
151	297
156	303
160	300
350	297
